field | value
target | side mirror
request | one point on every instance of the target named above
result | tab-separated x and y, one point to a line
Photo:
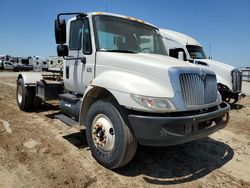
62	50
60	31
181	55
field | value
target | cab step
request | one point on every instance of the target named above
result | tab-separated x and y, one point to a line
67	120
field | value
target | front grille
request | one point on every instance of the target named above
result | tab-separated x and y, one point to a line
197	91
236	80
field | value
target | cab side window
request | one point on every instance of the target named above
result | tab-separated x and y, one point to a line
86	40
80	36
75	35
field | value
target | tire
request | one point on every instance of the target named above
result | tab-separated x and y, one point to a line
110	140
24	96
225	96
235	100
15	69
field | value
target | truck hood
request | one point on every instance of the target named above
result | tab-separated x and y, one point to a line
141	74
217	64
153	65
222	71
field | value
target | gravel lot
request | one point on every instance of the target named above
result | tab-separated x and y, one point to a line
37	150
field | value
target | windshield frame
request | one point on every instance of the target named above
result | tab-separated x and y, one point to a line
159	37
196	48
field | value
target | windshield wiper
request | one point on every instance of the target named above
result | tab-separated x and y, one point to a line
121	51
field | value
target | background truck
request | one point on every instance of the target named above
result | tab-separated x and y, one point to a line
119	83
7	65
184	47
23	64
7	62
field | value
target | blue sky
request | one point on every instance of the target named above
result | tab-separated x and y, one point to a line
27	26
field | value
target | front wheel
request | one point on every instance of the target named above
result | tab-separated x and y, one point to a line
110	140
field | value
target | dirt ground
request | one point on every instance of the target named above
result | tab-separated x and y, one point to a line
37	150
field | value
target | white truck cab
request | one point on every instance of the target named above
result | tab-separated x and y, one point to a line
120	84
229	78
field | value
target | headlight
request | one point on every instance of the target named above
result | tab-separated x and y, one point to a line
159	104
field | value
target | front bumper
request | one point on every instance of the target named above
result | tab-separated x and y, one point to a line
165	131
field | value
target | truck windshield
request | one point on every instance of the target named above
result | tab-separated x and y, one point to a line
196	52
127	36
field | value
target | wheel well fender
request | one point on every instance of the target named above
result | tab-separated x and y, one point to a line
30	78
223	81
94	93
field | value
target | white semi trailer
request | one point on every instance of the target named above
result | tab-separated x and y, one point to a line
229	78
119	83
55	64
39	63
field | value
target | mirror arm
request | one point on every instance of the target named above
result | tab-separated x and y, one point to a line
83	59
78	14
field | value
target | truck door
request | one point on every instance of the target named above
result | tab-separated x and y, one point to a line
78	73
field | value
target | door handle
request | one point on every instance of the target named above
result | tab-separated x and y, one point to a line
83	60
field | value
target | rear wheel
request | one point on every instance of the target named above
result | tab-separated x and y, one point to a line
227	99
110	140
225	95
24	96
16	69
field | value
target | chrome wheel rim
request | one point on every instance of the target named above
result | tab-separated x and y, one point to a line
103	133
19	94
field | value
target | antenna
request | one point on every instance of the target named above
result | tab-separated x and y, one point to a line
106	6
209	52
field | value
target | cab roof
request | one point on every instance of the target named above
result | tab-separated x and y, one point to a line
122	16
179	37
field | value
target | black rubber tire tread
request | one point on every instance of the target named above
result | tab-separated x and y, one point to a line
235	100
225	98
16	69
27	97
132	147
124	148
